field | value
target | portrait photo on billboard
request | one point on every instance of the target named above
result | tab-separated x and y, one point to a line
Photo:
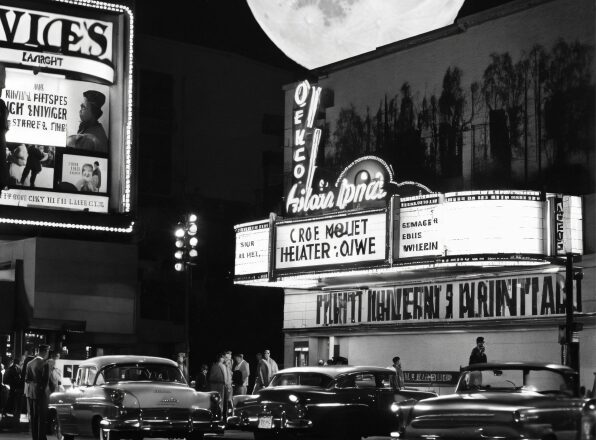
82	173
30	166
67	103
55	111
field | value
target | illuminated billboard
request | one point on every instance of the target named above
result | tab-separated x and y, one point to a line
66	78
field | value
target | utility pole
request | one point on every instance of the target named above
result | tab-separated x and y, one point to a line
185	255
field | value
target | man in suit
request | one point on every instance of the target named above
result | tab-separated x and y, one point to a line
35	391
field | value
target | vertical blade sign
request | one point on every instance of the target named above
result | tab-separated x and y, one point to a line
305	138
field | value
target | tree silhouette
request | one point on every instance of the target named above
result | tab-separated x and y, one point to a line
451	108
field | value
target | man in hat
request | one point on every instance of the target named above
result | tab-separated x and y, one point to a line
35	391
91	134
478	356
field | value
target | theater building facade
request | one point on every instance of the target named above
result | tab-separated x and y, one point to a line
439	189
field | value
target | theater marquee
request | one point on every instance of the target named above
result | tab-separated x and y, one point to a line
331	241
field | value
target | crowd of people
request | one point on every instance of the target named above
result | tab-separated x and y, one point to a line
230	376
30	380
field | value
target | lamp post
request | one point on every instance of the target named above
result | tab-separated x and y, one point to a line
185	255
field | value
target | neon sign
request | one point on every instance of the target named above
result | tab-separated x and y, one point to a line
364	183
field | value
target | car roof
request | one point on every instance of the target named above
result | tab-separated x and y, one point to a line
101	361
336	370
514	365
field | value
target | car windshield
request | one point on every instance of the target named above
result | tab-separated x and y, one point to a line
139	373
302	378
516	379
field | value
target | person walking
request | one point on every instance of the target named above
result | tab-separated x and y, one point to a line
240	375
35	391
399	379
478	355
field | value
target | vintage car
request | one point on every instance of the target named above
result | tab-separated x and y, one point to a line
346	402
513	400
588	423
116	397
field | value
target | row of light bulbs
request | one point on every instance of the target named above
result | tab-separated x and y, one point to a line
186	242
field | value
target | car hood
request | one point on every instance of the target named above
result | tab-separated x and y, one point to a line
159	394
490	401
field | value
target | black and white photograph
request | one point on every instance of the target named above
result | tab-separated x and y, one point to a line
301	219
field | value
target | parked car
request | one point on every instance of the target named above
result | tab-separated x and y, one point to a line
588	423
116	397
511	400
334	401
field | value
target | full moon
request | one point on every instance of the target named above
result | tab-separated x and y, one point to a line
315	33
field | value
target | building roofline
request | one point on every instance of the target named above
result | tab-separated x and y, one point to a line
458	27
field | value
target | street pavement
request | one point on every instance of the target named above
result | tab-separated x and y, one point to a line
230	434
23	434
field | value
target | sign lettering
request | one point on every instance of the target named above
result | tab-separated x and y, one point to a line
331	241
493	298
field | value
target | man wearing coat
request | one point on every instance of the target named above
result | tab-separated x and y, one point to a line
267	368
35	391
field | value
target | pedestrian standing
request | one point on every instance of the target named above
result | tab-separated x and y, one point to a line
267	368
217	378
228	390
182	365
54	374
478	356
35	391
201	383
240	375
14	379
258	383
399	379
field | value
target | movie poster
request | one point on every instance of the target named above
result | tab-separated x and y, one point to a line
85	174
64	100
47	110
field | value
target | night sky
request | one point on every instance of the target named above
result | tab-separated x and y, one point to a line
226	25
229	25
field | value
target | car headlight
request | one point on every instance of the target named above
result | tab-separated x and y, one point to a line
293	398
394	407
116	396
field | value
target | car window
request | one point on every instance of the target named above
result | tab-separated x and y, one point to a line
544	381
301	378
365	380
512	379
81	373
91	372
141	372
385	380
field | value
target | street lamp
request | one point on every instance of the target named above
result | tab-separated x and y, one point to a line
185	256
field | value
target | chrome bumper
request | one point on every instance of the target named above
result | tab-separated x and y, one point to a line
160	427
279	423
